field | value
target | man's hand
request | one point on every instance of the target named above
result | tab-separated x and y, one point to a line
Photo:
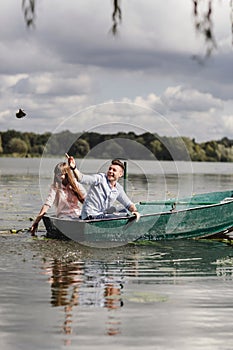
136	213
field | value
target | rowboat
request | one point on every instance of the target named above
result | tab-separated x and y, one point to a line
205	215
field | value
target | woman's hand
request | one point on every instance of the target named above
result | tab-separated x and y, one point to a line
33	229
71	161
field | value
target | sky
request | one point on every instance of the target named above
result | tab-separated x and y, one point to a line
70	73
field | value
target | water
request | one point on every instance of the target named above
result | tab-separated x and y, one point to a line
165	295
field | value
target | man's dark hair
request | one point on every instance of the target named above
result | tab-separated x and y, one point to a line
118	162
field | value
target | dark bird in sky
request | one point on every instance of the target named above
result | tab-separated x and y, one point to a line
20	113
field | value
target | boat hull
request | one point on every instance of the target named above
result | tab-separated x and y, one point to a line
200	216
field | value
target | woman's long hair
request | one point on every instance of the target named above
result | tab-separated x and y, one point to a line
64	169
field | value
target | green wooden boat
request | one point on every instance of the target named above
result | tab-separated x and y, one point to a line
200	216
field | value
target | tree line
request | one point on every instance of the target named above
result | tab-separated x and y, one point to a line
123	145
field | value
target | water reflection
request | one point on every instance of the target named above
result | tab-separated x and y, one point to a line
113	301
224	268
63	278
98	284
77	285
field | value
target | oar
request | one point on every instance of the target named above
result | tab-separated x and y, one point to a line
125	177
177	202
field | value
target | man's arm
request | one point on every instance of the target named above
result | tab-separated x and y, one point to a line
132	208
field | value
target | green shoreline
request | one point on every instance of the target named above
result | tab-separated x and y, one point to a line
129	145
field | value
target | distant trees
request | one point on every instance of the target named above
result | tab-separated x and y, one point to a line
16	146
80	148
1	149
122	145
22	144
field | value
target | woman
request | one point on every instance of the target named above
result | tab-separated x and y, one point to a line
65	193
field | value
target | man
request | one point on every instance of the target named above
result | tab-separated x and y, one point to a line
104	191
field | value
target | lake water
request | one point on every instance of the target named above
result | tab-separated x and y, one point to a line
60	295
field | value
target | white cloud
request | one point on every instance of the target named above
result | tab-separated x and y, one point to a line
53	84
227	124
180	98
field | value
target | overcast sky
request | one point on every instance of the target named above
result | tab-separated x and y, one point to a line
69	72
